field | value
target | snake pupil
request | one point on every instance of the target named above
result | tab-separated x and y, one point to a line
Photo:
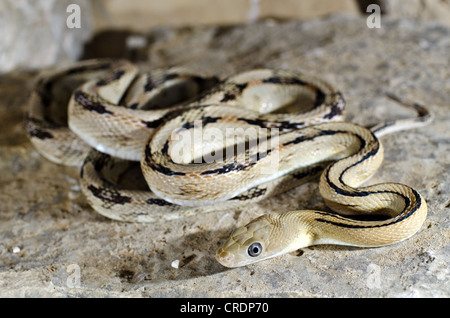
255	249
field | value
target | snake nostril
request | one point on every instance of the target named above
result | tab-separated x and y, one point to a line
223	256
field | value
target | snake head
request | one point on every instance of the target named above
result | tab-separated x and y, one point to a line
265	237
246	244
251	243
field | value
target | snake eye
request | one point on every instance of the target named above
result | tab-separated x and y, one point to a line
255	249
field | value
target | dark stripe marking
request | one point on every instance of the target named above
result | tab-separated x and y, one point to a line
357	193
285	80
319	134
232	93
117	74
260	155
320	98
161	169
337	108
235	166
170	76
252	193
205	121
371	153
149	85
165	149
84	68
158	202
133	106
83	99
283	125
39	133
107	195
153	124
35	128
403	217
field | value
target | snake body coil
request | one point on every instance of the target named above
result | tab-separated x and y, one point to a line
280	127
272	235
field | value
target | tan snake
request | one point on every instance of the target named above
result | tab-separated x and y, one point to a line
260	115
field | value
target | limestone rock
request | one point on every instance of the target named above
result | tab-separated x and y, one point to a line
430	10
36	34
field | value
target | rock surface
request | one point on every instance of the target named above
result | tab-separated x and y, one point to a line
142	14
36	34
429	10
53	244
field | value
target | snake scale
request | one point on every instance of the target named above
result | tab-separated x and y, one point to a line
170	143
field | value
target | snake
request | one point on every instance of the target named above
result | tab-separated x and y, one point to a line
135	136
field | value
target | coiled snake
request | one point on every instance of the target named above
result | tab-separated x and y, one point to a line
203	144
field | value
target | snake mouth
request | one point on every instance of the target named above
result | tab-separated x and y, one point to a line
225	258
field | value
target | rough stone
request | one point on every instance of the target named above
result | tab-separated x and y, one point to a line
142	14
50	237
36	34
429	10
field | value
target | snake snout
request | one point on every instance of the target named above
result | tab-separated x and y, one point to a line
224	257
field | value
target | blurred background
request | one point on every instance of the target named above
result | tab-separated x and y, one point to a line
39	33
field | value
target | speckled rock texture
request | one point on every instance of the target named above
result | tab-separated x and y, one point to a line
41	33
52	244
